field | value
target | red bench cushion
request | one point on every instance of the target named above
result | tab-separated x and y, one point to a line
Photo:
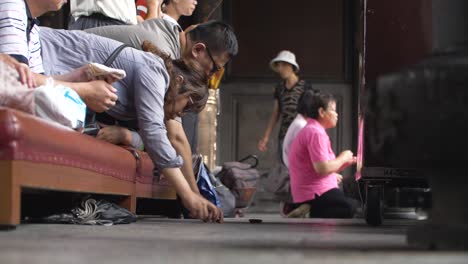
28	138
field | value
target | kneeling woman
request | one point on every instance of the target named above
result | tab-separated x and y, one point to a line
153	90
313	166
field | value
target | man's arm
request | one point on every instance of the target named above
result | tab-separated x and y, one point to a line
176	135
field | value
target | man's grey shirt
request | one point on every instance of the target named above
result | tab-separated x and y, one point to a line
162	33
140	93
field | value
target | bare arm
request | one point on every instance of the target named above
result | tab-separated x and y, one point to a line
178	139
154	9
271	124
175	132
343	160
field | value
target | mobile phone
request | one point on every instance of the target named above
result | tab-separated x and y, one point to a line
91	131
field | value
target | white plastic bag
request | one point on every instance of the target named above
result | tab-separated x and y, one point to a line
55	103
59	104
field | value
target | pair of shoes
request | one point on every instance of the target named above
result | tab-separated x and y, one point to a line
300	212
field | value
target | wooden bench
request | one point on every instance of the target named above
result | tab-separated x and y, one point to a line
40	155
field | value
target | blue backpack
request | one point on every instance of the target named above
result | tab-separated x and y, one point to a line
204	182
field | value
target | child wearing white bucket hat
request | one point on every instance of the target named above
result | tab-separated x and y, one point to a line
286	97
285	56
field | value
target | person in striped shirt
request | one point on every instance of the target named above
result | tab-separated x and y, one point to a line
20	39
19	30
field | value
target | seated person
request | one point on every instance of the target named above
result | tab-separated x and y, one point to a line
155	89
287	208
313	166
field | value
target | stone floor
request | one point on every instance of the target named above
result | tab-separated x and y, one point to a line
275	240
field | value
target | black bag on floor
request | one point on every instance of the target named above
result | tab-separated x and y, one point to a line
241	178
226	198
92	212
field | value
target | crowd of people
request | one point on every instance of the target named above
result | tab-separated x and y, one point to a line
154	107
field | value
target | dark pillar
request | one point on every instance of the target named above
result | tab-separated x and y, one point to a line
447	227
209	10
449	23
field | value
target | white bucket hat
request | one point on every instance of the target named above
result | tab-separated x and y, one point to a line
286	56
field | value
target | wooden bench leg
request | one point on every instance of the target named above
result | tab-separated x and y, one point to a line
10	197
129	203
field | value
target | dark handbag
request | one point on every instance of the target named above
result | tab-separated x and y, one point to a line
241	178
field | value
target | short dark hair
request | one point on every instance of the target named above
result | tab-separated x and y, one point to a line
217	36
312	103
195	78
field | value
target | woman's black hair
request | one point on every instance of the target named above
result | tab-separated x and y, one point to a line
312	102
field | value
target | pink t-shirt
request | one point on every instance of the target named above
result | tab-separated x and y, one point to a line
312	144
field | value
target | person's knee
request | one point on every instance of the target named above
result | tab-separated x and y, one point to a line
349	210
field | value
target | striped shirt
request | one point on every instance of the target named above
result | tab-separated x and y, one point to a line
287	101
24	46
122	10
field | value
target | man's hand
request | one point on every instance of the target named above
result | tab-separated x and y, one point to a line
115	135
99	96
202	209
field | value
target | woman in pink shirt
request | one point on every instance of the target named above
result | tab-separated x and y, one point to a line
313	166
